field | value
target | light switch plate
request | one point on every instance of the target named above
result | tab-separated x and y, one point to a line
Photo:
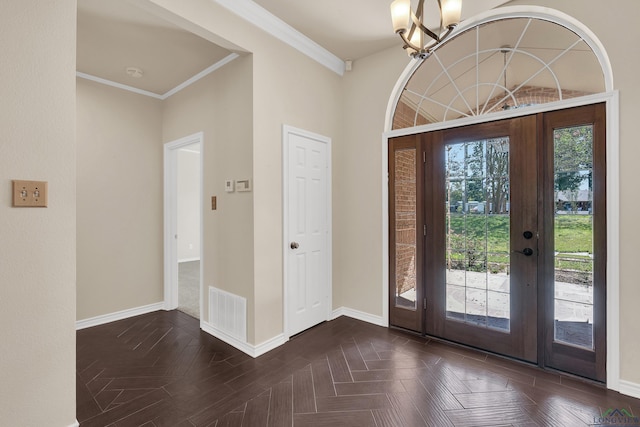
30	194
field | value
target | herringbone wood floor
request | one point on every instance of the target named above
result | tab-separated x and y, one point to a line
161	370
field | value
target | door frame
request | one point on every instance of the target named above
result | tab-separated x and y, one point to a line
611	100
287	131
171	218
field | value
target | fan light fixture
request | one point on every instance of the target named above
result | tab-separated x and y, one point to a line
410	26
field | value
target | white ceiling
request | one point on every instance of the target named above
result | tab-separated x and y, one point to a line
352	29
116	34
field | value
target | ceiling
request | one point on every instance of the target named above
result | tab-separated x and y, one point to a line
352	29
116	34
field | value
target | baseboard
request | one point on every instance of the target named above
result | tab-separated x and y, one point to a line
188	260
120	315
251	350
630	389
360	315
278	340
76	424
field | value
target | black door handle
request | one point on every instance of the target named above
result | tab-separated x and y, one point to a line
525	251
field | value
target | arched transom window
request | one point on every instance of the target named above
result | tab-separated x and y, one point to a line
499	65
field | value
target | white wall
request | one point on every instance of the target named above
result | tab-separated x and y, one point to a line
188	202
37	245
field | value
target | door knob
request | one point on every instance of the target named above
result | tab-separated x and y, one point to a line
294	245
527	235
525	252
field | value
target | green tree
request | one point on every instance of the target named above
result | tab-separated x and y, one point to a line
490	161
573	161
573	156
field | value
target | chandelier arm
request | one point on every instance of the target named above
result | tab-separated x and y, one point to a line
445	35
408	44
420	25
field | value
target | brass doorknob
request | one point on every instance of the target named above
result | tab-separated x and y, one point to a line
294	245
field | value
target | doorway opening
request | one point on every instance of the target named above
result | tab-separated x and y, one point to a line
183	225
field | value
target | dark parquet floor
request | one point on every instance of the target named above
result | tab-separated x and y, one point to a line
159	370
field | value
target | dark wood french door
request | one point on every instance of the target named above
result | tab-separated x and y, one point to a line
497	237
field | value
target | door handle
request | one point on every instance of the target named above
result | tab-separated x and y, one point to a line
525	252
294	245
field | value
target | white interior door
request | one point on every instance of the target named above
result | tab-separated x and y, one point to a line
307	229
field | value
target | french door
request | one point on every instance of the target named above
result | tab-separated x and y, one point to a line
497	237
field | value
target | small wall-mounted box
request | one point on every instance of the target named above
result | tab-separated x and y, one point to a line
30	194
243	185
228	186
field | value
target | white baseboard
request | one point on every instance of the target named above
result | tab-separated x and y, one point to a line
188	260
251	350
360	315
76	424
629	388
124	314
278	340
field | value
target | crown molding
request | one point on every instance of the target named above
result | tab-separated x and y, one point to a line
224	61
202	74
117	85
263	19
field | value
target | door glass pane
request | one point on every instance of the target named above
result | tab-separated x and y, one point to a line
573	232
405	222
477	232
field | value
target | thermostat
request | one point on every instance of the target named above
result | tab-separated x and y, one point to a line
243	184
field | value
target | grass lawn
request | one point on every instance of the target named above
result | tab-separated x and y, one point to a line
490	234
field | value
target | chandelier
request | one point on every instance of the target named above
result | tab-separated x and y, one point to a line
419	41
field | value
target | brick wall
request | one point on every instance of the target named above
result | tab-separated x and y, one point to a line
405	114
405	219
533	95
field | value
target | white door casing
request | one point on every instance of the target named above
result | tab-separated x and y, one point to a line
307	229
171	218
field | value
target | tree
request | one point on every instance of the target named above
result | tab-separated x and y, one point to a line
489	161
573	161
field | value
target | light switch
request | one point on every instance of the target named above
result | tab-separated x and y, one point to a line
30	194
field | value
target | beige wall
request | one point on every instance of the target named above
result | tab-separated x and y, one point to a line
119	213
37	249
288	88
357	210
220	107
